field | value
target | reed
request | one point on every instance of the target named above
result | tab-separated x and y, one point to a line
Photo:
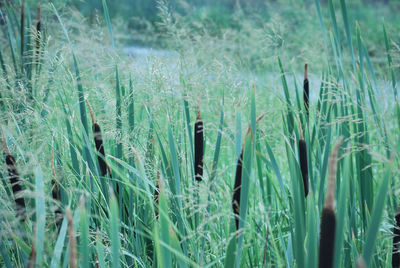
306	91
396	240
72	258
15	181
328	218
303	162
198	147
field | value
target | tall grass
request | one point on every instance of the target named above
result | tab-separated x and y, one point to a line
166	187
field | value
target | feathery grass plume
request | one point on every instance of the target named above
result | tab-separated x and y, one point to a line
328	218
15	181
306	90
198	147
56	194
22	28
72	240
303	161
38	33
98	140
238	180
396	240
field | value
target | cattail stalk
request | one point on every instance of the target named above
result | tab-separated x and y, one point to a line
198	147
306	90
238	180
303	162
15	181
396	240
72	241
328	219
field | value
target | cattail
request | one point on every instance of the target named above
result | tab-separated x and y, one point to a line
303	161
198	147
72	240
22	27
38	33
328	219
306	91
238	180
98	140
15	182
396	240
56	193
236	190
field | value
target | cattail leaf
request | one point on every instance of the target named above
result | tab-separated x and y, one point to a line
348	33
177	182
84	238
312	225
108	21
58	249
341	210
244	189
389	59
164	231
276	169
100	252
40	215
376	218
114	232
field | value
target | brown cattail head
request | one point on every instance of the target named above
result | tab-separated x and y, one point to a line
304	164
333	159
56	193
236	189
396	240
72	240
198	147
328	219
98	140
327	238
238	179
15	181
306	90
